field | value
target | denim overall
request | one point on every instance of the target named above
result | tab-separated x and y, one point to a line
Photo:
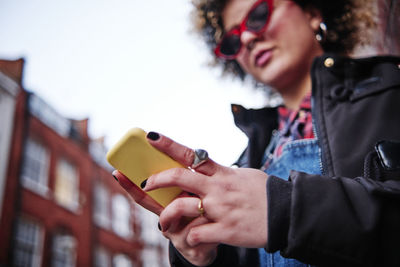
300	155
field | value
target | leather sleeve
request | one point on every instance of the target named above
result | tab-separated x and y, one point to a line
335	221
228	256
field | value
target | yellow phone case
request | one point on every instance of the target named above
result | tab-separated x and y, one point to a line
138	160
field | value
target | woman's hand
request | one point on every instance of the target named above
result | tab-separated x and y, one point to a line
137	194
200	255
234	200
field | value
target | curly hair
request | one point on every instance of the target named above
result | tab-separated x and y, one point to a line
344	19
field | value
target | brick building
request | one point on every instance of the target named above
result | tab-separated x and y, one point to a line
60	205
9	90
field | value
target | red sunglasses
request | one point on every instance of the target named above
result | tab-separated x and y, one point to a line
256	21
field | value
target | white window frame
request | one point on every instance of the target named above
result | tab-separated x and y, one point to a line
29	235
36	153
122	260
72	204
150	256
64	248
122	216
101	208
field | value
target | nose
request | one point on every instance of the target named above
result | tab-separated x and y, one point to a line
247	38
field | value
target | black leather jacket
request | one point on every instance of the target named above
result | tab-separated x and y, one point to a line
350	215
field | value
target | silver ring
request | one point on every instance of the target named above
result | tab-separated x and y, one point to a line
200	156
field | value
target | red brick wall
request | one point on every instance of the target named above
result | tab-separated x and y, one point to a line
45	210
11	200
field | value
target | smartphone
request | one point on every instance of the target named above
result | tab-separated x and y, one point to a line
138	160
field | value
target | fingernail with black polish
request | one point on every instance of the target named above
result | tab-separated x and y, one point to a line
159	227
116	179
143	184
153	136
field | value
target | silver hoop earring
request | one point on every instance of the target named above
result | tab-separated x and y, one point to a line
321	34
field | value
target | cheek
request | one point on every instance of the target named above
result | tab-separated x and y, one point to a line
289	24
294	38
243	60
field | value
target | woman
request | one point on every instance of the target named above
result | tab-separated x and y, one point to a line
328	192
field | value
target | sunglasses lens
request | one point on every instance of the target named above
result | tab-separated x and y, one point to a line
230	45
255	21
258	17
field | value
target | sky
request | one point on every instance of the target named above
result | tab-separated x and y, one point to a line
124	64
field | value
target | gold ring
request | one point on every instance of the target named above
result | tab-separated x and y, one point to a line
200	207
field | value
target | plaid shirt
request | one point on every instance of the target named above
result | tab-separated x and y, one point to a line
293	125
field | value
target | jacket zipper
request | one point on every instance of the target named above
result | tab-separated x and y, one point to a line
321	165
314	114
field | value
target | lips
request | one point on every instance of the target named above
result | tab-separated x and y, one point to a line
263	57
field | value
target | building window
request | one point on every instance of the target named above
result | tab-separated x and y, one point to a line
66	187
28	244
121	216
149	233
101	209
35	167
151	257
102	258
121	260
64	251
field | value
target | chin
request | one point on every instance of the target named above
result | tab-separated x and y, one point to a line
268	78
268	73
277	74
